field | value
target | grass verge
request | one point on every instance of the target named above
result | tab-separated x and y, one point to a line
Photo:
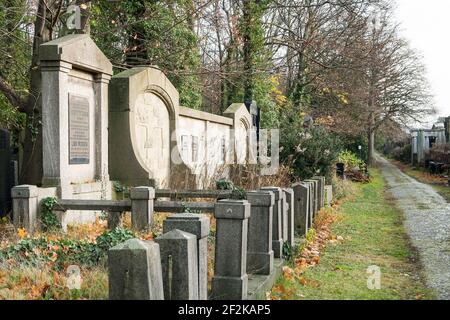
367	232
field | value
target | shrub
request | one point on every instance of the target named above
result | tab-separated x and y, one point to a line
36	252
351	161
310	152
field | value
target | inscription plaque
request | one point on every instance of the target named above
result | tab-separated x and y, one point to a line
79	130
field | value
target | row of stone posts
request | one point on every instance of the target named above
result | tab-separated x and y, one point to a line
250	235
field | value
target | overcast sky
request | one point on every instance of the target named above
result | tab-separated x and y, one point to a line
427	25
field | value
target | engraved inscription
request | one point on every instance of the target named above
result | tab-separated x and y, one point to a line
79	130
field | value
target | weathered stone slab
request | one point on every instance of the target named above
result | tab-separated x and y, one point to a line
134	271
198	225
25	207
328	195
230	280
290	211
179	265
315	184
301	205
277	231
321	190
259	249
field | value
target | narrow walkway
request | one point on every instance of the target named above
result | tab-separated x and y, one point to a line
427	222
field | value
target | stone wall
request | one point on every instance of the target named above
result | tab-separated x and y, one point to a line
150	134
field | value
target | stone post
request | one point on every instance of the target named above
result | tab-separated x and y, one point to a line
230	280
290	211
277	233
179	265
134	271
198	225
315	198
142	200
259	248
328	195
321	182
25	207
301	207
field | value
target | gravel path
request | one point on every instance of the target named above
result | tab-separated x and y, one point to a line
427	221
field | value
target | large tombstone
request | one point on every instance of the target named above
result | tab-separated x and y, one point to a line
152	136
75	78
5	179
143	114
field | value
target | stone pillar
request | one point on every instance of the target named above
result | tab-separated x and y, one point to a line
142	200
321	187
198	225
277	233
301	207
284	217
328	195
290	211
179	265
315	199
230	280
25	207
134	271
259	247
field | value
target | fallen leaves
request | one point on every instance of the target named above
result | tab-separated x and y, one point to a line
22	233
310	256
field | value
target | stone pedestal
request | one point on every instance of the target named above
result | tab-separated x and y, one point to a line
328	195
198	225
259	249
321	181
290	211
301	205
25	207
277	231
230	280
179	265
134	270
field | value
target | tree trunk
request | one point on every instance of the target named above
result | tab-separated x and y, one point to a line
32	158
248	54
371	140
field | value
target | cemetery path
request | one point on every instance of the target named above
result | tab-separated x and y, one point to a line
427	222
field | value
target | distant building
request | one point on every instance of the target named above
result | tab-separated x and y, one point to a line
422	140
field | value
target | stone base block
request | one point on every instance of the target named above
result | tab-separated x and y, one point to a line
229	288
260	263
277	246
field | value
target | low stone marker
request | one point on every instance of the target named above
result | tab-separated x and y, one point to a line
230	280
198	225
311	203
322	182
315	184
290	209
301	207
277	231
25	207
179	265
134	271
259	248
142	201
328	195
